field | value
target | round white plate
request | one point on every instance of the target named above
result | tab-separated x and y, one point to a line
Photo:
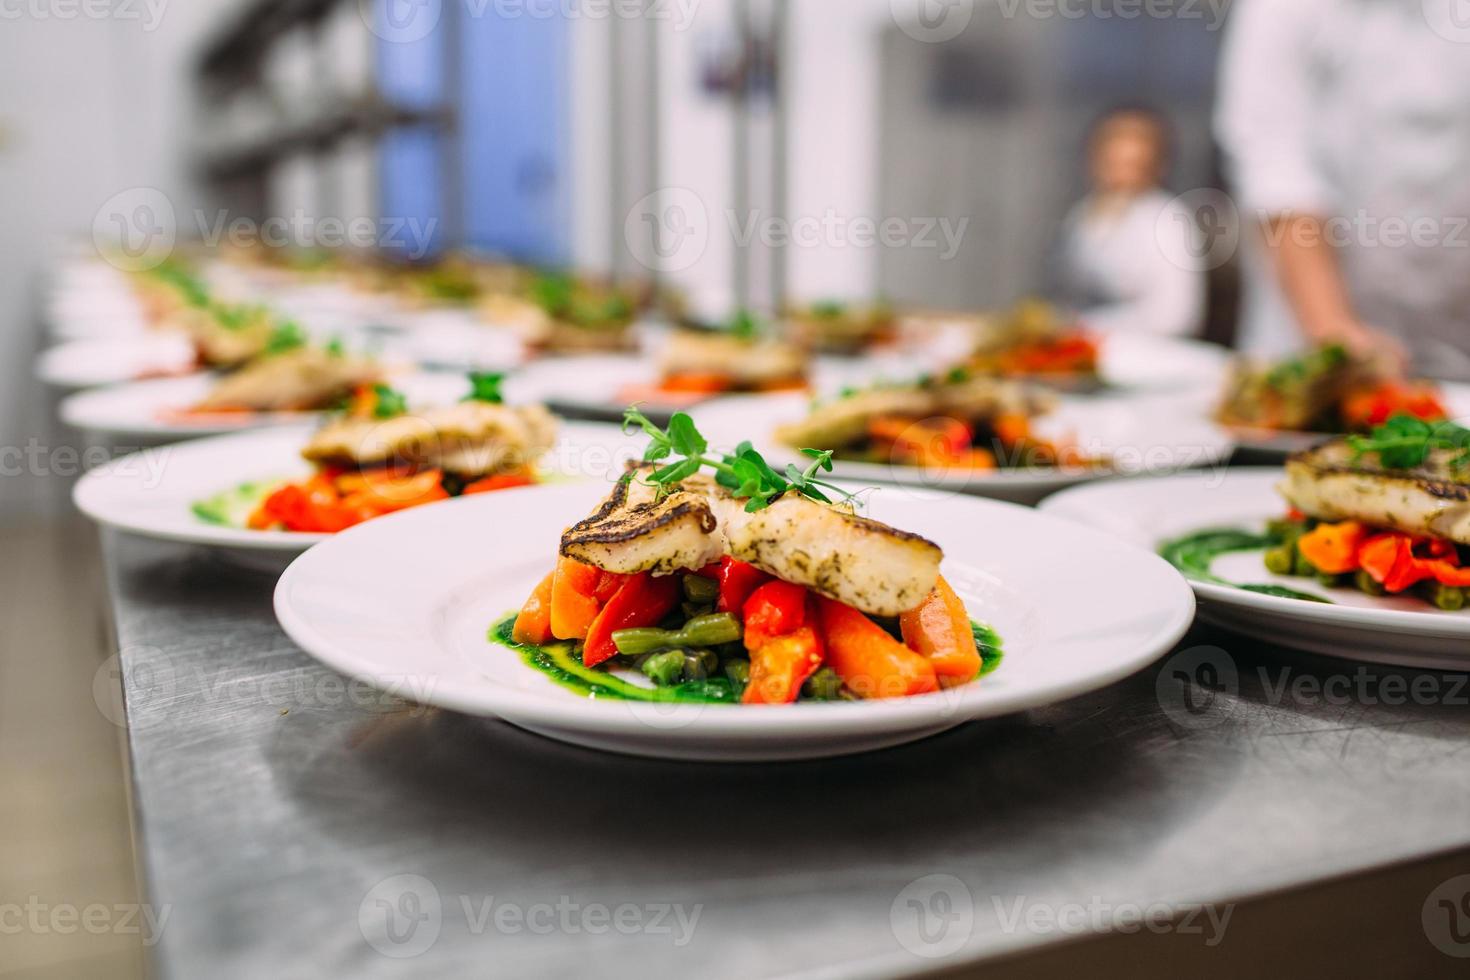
153	492
90	363
601	384
1159	364
1149	512
142	410
1268	445
1141	435
417	624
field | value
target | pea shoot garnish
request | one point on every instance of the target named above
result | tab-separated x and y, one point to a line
1405	442
485	387
286	337
388	402
683	451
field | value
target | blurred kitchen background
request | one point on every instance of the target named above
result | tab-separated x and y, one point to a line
564	132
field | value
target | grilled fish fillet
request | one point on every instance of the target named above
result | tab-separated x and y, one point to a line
745	362
301	380
861	562
1434	499
844	422
471	439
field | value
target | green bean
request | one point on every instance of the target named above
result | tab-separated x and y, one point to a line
697	588
700	664
1300	565
665	668
1280	560
739	673
702	631
1447	597
693	610
1330	580
824	685
1368	583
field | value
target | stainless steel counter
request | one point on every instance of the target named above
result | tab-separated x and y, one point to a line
293	825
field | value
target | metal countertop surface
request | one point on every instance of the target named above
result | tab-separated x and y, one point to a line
294	825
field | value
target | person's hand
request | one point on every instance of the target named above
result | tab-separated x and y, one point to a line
1383	353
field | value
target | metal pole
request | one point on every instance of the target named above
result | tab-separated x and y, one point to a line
780	150
655	121
740	156
617	146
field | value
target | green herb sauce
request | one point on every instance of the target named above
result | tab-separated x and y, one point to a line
563	664
1194	555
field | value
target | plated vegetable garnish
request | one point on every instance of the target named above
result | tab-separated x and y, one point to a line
832	327
1387	514
955	421
741	357
290	376
714	570
377	458
1035	341
1324	390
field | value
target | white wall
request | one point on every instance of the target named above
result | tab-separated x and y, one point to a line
88	108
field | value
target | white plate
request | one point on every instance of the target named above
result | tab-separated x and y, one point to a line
153	492
1404	631
1140	434
1160	364
417	624
599	383
140	410
90	363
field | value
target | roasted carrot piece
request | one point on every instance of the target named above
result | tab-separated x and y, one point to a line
642	600
870	662
533	623
574	603
939	630
1333	548
780	665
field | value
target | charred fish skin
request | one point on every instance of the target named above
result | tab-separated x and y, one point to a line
1331	483
855	560
636	530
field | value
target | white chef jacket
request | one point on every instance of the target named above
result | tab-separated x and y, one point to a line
1134	269
1357	111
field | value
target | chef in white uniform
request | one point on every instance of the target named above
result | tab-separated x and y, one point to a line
1346	129
1124	259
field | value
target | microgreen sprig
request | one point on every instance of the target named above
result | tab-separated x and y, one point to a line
486	387
683	451
388	402
1404	442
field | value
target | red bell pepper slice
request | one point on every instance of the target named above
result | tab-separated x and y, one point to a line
641	600
775	609
781	665
737	581
1390	560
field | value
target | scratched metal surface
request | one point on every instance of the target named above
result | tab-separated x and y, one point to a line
276	809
